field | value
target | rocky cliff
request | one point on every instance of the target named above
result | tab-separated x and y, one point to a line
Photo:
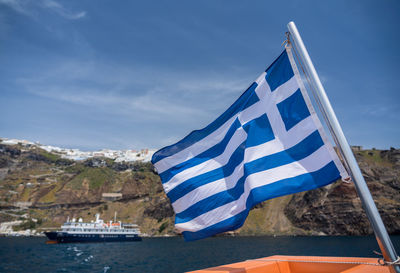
336	208
40	189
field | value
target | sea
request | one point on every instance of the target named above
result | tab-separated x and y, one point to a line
171	254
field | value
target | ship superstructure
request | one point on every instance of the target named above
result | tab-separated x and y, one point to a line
95	231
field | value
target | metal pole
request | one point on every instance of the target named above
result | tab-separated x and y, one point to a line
385	244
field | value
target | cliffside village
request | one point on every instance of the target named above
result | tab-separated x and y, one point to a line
143	155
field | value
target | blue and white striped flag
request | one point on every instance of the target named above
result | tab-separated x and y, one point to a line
269	143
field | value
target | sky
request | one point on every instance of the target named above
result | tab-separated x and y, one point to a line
143	74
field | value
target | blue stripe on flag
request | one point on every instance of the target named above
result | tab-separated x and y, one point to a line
205	178
248	98
293	109
258	131
214	151
296	153
299	151
279	72
200	211
328	174
231	223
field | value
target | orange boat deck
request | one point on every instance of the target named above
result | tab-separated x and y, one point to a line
302	264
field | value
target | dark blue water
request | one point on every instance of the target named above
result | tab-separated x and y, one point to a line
169	254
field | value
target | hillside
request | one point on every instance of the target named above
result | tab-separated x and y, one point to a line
40	189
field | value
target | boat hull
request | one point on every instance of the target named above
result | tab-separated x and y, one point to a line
302	264
63	237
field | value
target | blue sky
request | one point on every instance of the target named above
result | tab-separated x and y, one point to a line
134	74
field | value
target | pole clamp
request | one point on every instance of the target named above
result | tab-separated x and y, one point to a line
382	261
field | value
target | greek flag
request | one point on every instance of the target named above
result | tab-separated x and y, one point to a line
269	143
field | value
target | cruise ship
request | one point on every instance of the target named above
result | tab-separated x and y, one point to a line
96	231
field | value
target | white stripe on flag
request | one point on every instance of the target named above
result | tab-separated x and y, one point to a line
284	91
212	164
252	164
291	138
208	190
339	165
314	162
248	114
295	135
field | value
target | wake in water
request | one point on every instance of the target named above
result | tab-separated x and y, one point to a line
82	257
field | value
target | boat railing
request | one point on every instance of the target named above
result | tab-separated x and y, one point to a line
127	225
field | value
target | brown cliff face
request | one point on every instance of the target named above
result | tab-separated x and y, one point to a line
41	185
336	208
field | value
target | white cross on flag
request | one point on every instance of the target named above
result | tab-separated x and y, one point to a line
269	143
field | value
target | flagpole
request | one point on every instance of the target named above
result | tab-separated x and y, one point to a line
384	242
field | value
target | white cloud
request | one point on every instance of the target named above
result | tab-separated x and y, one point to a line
31	8
60	10
144	93
21	6
381	110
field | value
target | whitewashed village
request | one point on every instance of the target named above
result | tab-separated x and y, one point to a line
143	155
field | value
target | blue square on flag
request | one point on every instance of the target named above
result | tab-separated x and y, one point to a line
269	143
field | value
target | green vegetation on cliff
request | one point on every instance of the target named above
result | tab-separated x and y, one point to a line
96	177
41	185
